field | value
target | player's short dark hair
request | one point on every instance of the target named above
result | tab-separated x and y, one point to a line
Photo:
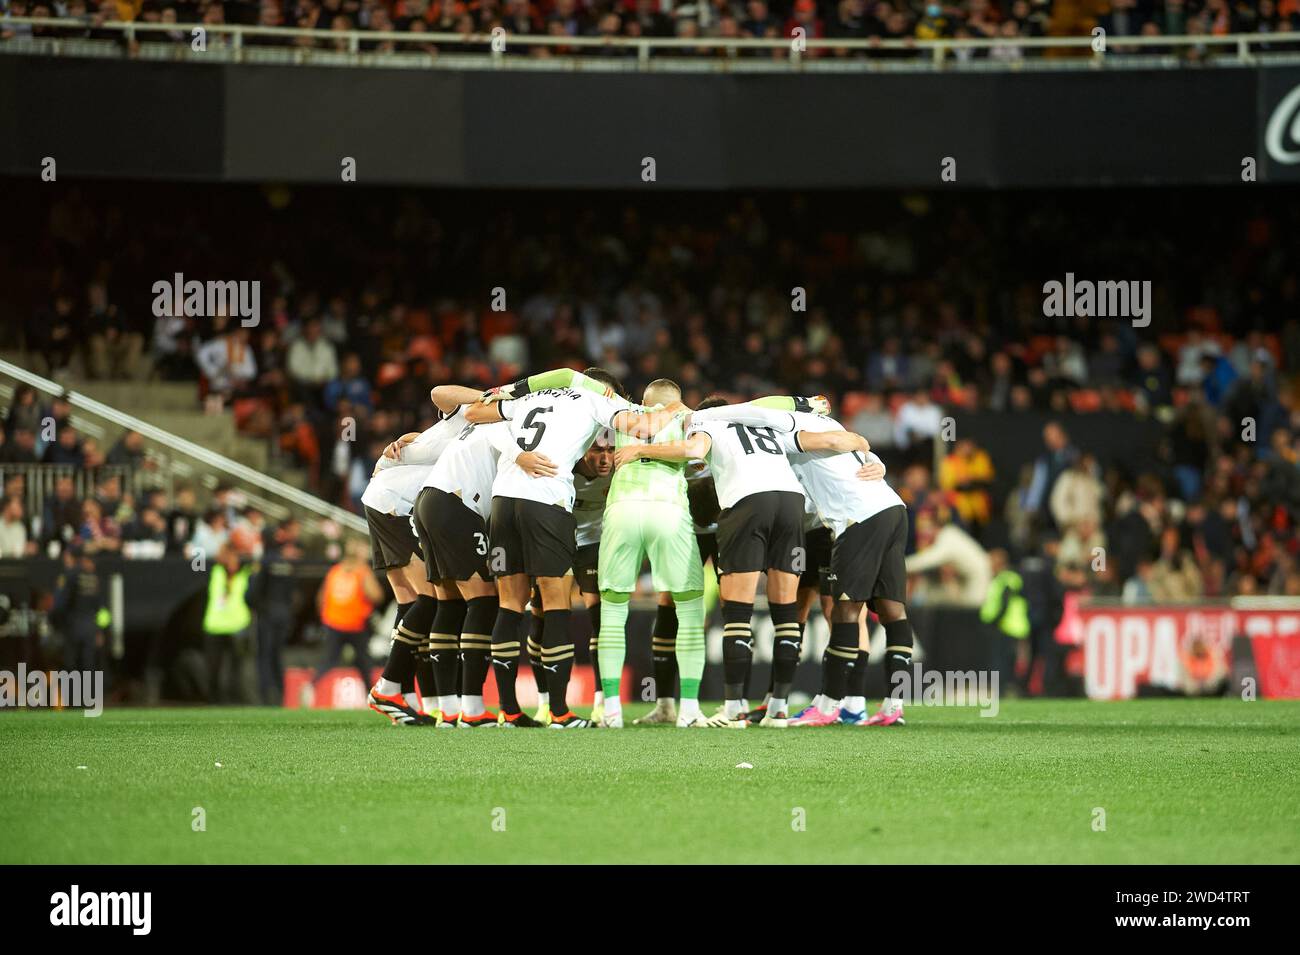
713	401
664	384
607	378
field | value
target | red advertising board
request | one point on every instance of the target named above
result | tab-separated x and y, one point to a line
1184	649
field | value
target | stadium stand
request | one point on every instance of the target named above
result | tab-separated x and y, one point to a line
1009	23
919	310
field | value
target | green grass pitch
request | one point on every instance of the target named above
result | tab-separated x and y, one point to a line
1179	781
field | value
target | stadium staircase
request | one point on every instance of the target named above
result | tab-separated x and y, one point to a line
187	445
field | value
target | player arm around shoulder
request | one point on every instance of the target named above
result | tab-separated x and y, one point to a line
556	378
695	446
448	398
840	442
532	463
873	469
393	452
776	415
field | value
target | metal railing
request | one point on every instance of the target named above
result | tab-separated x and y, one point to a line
273	491
494	50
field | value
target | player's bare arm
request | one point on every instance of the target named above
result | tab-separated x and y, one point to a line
696	446
480	413
394	449
448	398
839	441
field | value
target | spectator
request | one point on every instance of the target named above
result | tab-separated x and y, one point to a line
962	564
128	451
182	519
98	534
917	425
1174	577
228	363
20	447
1059	455
967	474
66	449
350	386
24	412
1077	494
211	534
312	361
14	538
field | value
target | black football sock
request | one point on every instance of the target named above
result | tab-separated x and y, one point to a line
841	655
407	668
535	652
898	659
424	681
593	612
557	658
737	647
505	658
663	651
476	644
857	685
786	647
409	636
444	645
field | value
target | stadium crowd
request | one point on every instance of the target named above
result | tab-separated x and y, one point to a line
917	312
1006	20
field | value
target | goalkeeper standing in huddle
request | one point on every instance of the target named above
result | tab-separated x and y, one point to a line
646	514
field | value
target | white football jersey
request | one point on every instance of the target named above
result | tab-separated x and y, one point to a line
394	489
469	465
395	493
745	460
830	478
589	506
430	443
560	423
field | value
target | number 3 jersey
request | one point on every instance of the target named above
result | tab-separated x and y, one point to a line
560	423
745	460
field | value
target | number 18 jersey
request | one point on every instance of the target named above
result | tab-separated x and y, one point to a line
746	460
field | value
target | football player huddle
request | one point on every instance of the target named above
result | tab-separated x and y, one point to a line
485	522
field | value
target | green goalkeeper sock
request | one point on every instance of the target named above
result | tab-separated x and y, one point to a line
612	641
690	642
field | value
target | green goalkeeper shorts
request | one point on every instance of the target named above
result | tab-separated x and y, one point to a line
634	530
